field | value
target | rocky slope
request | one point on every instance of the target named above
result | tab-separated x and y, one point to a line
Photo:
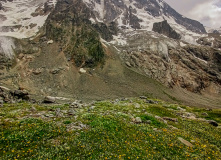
103	49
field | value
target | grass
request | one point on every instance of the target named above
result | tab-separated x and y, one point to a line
109	132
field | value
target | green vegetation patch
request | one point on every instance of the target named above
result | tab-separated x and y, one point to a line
106	131
160	111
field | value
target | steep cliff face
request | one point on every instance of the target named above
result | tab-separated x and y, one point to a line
165	29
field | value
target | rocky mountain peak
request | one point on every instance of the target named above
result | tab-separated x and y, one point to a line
140	14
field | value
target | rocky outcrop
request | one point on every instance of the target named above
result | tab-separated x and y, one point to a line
10	96
212	40
165	29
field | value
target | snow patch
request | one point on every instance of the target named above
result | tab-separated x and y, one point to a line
200	59
182	44
82	70
92	20
119	40
20	22
6	47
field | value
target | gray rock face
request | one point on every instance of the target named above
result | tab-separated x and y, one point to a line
164	28
111	10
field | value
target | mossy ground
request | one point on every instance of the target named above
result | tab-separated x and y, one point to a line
109	132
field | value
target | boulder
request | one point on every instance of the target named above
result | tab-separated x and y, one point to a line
71	112
172	127
58	112
212	122
185	142
204	114
82	70
33	109
128	64
50	42
92	107
181	109
49	99
148	121
170	119
161	119
143	97
76	104
21	94
55	71
151	102
37	71
137	105
137	120
4	88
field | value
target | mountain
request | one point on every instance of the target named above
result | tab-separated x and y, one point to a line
140	14
213	30
96	49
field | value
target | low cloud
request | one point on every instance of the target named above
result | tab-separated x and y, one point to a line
207	12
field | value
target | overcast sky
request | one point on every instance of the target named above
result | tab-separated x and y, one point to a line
207	12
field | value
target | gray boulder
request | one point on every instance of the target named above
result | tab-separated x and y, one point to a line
204	114
71	112
49	99
76	104
58	112
138	120
170	119
212	122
